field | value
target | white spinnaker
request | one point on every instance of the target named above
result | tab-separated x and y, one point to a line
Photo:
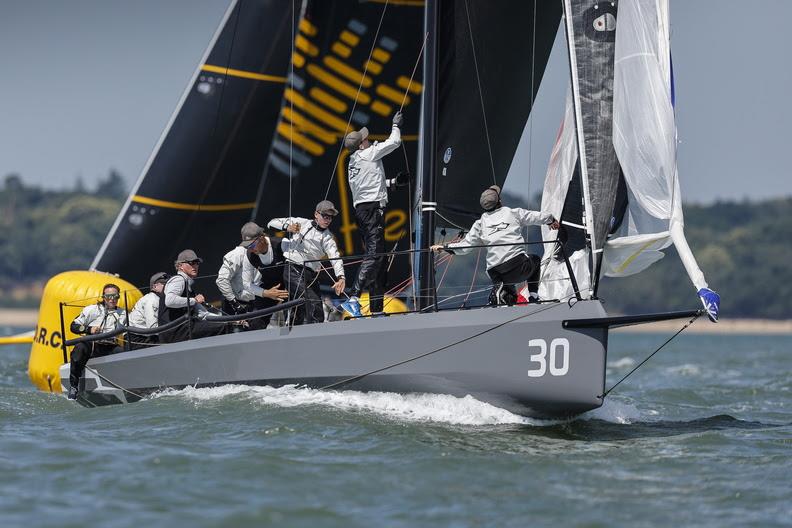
644	136
555	277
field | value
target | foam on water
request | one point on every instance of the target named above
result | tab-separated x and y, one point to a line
432	408
428	408
615	411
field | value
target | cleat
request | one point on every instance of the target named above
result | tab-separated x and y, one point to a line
379	314
711	302
352	307
72	393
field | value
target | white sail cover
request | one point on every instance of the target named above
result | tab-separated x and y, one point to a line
644	136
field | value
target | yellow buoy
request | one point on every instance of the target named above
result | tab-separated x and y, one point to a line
71	290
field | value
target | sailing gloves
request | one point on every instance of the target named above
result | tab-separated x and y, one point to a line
237	306
397	119
401	180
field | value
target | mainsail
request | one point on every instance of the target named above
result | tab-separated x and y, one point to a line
492	56
485	61
199	185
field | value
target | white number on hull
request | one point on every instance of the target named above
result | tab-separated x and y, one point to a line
541	359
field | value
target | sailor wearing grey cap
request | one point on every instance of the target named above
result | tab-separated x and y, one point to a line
146	310
254	250
501	230
310	241
179	297
369	188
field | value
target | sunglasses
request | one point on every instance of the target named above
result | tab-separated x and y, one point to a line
111	296
327	217
193	263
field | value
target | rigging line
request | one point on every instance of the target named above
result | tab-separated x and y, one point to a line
415	68
653	353
481	94
530	114
111	382
450	222
357	95
473	280
419	356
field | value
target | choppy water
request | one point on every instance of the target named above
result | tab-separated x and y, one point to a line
699	436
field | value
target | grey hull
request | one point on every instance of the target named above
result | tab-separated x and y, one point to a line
518	358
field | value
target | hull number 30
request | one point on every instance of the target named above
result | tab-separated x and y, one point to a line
557	362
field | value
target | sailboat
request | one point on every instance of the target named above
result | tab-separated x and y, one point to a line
475	95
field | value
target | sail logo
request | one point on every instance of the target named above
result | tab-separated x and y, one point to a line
503	226
600	22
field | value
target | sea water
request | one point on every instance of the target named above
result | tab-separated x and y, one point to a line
700	435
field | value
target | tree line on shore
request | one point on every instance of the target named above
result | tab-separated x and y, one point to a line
742	247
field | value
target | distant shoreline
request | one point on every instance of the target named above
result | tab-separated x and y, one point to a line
27	318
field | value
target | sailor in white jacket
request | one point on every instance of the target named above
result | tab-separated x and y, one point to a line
500	229
145	314
369	188
310	242
252	251
104	316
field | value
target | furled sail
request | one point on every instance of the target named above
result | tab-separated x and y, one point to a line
199	185
491	59
352	66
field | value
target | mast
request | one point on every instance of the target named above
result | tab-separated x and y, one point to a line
425	283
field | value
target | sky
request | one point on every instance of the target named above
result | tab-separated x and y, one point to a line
89	85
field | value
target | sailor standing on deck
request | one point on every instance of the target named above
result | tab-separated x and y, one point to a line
252	251
179	298
310	240
500	229
370	196
98	318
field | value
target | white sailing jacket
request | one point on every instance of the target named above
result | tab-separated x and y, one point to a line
144	314
366	172
311	243
501	226
173	293
230	277
98	315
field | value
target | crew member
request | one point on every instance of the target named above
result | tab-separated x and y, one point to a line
263	277
370	196
145	312
104	316
179	297
500	230
252	251
310	241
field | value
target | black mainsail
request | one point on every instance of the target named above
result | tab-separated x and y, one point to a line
486	60
199	185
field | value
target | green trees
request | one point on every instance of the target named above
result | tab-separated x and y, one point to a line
44	232
743	248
